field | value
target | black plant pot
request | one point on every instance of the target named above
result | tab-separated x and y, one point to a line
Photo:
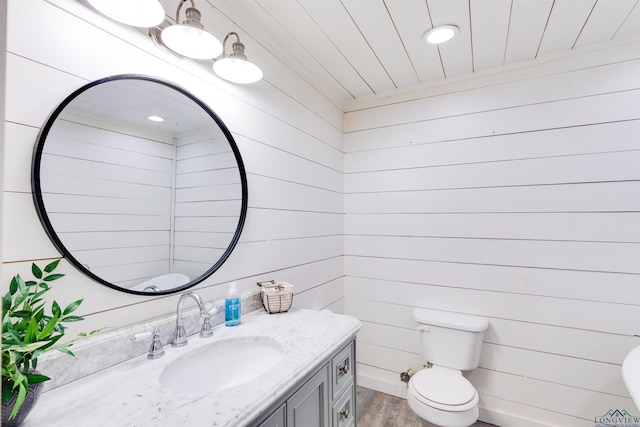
33	393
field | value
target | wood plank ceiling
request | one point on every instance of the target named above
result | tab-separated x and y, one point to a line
358	49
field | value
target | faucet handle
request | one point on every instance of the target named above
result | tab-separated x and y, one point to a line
156	350
207	329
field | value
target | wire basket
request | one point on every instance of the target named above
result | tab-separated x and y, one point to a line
277	297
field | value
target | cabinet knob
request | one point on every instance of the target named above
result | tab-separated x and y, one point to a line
344	414
344	369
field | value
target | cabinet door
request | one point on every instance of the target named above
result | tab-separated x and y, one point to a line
310	406
277	419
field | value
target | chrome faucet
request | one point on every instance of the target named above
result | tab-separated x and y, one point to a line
180	336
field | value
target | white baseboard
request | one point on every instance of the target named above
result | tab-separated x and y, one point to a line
503	419
398	389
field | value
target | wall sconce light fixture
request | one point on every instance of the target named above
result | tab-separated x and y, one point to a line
189	38
235	67
140	13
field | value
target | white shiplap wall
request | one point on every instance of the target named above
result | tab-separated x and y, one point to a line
289	135
208	201
515	196
108	192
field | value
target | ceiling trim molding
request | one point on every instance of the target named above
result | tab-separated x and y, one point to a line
497	75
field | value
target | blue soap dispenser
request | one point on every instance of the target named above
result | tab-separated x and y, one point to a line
232	309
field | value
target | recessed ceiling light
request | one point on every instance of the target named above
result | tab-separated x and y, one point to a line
156	118
440	34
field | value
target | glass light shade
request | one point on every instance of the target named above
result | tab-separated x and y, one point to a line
237	70
191	42
440	34
137	13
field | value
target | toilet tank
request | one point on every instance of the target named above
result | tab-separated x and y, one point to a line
452	340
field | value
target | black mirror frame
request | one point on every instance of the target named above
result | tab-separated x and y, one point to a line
44	218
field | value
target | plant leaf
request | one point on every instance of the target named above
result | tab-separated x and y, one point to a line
22	393
51	266
55	309
72	319
48	328
7	392
52	277
72	307
13	286
21	291
36	378
23	314
63	349
35	270
6	303
27	348
32	332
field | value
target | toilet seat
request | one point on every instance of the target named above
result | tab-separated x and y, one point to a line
443	389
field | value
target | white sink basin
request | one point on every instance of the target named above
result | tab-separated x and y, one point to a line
221	364
631	374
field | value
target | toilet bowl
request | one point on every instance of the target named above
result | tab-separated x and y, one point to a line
162	283
451	342
443	397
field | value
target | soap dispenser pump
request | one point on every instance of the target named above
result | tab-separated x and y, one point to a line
232	309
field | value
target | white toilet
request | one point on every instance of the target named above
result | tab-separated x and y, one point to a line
451	343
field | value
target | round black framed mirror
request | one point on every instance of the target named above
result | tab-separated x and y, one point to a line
139	185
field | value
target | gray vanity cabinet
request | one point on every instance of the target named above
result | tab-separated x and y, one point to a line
325	399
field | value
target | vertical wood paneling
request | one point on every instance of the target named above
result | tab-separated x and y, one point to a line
526	26
409	18
563	27
456	55
309	37
350	42
508	208
489	25
602	23
372	19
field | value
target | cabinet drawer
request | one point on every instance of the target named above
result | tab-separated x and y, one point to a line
344	412
342	367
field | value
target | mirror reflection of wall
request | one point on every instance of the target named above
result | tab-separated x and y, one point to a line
134	200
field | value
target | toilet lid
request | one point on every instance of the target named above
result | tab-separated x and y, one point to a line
446	388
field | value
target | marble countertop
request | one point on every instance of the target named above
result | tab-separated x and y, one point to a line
130	394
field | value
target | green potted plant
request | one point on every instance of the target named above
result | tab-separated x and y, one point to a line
29	330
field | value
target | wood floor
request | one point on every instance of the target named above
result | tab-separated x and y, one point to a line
375	409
